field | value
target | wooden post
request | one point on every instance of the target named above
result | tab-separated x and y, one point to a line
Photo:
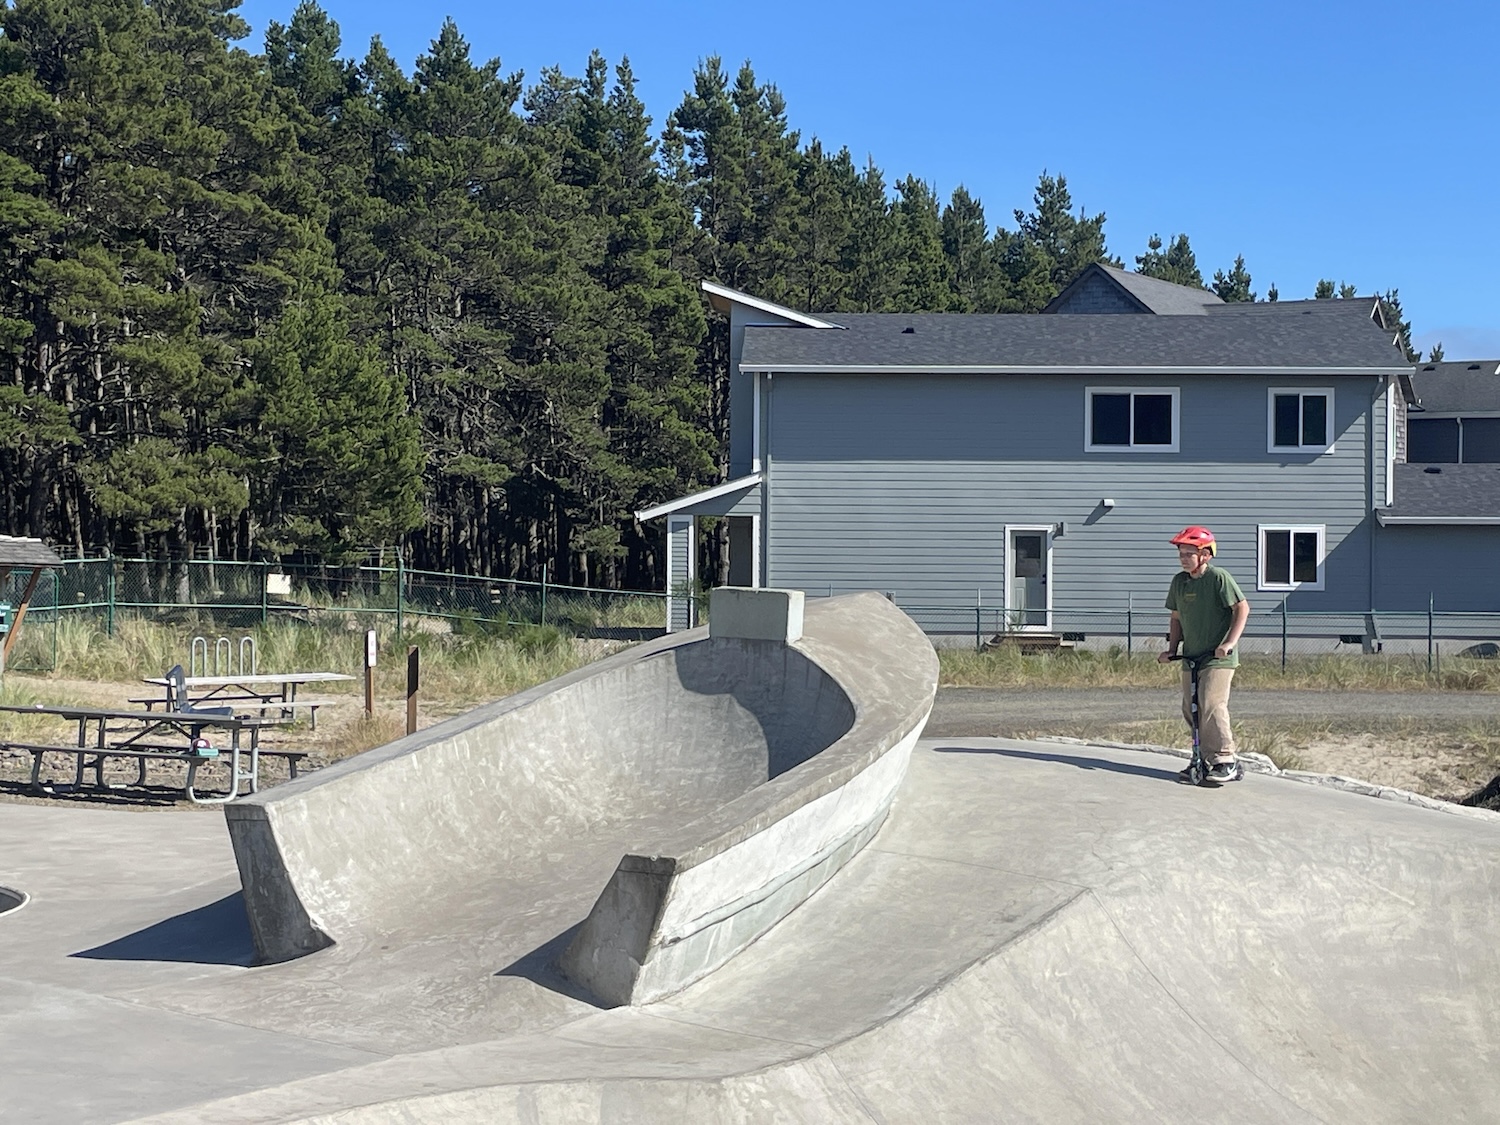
369	673
413	677
15	626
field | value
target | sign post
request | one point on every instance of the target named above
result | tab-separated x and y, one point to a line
369	673
413	676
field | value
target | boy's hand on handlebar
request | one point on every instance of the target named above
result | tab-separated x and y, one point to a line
1164	658
1222	651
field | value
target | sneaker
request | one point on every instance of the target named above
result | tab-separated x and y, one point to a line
1225	771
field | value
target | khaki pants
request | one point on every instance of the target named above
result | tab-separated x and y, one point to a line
1214	735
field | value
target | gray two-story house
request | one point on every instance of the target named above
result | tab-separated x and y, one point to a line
1035	466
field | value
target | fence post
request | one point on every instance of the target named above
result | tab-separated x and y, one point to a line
1129	623
109	620
1429	633
400	602
979	620
1283	634
265	593
56	618
544	594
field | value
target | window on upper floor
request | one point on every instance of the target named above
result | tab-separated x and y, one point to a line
1291	557
1452	441
1130	420
1299	420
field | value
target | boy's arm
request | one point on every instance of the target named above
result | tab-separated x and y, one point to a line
1241	611
1174	638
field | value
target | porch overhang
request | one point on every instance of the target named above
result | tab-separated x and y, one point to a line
720	500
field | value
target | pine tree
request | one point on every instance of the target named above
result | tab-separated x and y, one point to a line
1235	285
1178	264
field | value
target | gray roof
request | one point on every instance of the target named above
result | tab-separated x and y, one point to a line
1244	336
1453	492
26	552
1453	388
1162	297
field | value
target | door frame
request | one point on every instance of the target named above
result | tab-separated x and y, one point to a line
1048	532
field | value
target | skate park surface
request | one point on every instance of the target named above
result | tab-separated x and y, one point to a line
1039	931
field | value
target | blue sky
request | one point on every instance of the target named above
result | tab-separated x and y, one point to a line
1318	139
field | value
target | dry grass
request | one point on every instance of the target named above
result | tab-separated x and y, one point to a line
1007	667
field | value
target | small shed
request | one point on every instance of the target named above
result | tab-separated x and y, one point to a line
20	554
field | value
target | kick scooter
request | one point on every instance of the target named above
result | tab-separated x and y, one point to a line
1197	770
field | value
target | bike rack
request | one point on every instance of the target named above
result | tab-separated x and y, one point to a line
226	662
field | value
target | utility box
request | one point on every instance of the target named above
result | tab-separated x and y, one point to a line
7	615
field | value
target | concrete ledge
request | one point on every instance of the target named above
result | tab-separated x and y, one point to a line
678	909
756	615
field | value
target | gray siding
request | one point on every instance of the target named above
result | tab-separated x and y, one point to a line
1455	566
1097	295
905	484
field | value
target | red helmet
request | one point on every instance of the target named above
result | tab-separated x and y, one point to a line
1196	536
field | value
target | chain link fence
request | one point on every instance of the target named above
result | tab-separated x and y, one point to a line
209	596
1277	634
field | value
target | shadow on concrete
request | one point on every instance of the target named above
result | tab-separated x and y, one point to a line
216	934
1066	759
540	967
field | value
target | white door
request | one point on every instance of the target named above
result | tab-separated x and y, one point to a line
1028	599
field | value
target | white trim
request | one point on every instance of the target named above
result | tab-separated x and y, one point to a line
1088	419
1293	530
723	292
1390	443
755	421
1301	393
1056	369
755	579
1047	530
736	485
1437	521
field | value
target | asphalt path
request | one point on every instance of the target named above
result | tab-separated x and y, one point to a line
969	712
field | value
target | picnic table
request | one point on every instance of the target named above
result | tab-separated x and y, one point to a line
104	733
262	692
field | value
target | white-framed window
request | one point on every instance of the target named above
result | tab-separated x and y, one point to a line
1299	420
1290	556
1130	420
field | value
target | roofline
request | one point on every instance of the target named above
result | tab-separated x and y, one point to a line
722	293
1053	369
1445	521
737	485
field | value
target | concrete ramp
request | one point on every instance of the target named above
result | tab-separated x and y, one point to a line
740	770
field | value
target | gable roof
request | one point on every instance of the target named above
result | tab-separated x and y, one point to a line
1309	337
1444	494
1147	294
1458	387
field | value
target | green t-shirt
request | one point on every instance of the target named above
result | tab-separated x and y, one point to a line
1204	606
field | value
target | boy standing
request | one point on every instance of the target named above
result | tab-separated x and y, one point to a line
1209	612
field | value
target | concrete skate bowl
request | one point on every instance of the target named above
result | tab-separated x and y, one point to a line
11	900
740	773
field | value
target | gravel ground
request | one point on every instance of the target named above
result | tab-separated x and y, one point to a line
976	712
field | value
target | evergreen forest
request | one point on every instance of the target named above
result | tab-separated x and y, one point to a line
293	305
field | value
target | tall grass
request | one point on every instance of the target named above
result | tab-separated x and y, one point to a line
466	667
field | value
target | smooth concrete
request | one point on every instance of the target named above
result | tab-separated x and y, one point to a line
737	775
682	906
756	614
1040	932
